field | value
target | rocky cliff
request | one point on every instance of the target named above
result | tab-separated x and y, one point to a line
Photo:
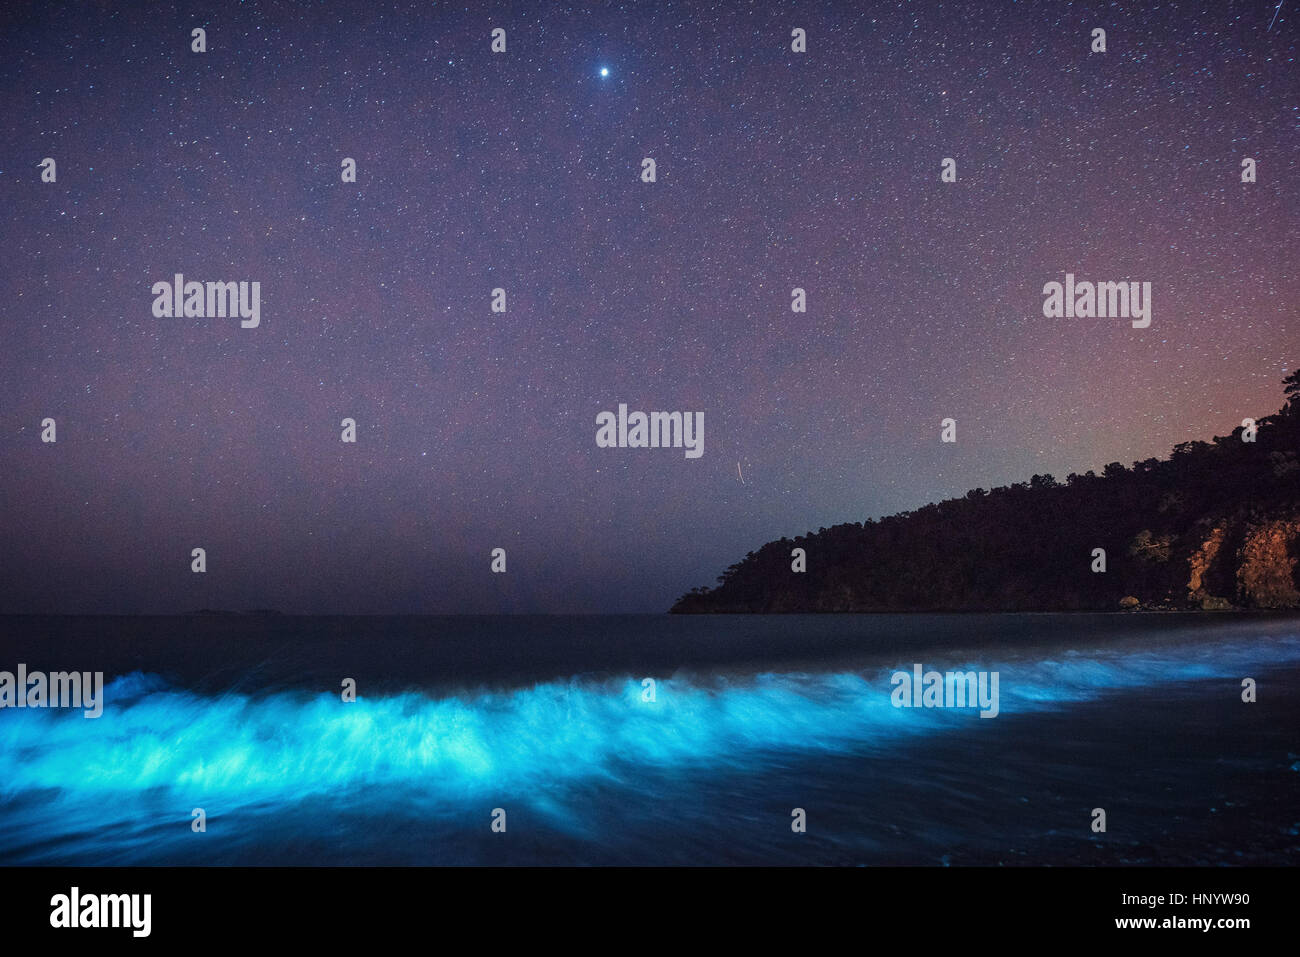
1216	525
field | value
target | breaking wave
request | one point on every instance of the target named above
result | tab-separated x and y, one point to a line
163	749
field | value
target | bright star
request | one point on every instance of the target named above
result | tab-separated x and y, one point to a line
604	71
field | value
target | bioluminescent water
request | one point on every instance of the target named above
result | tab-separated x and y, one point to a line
707	770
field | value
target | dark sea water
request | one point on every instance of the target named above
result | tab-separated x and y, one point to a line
1140	715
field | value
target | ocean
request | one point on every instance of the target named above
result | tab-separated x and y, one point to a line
547	728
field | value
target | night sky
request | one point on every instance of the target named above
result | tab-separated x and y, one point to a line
522	170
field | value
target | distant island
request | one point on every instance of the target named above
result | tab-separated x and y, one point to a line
1216	526
222	613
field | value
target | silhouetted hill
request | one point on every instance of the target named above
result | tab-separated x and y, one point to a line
1215	525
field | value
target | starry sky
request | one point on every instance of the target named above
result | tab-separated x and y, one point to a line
521	170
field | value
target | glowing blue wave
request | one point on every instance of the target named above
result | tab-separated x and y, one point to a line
159	749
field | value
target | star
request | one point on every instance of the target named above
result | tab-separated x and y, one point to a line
563	160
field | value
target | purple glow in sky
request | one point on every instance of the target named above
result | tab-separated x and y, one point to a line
522	171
